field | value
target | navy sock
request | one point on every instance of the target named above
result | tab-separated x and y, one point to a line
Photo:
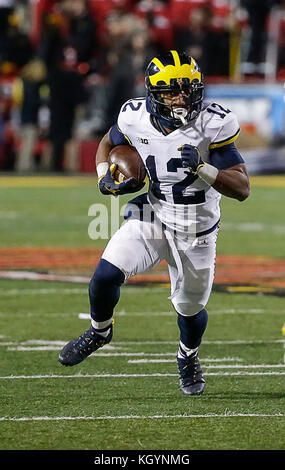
192	328
104	290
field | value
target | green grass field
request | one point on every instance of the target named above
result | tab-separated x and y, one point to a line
126	396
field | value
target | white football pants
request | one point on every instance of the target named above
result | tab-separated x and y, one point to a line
139	246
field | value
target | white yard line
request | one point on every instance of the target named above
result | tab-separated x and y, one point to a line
232	311
130	314
43	291
127	343
184	416
220	366
252	227
102	376
121	313
115	344
124	354
86	316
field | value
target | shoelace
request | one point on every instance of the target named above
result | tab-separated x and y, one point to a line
86	341
189	370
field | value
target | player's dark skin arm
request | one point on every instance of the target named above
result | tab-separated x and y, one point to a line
233	182
104	148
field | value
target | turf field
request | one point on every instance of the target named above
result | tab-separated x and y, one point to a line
126	396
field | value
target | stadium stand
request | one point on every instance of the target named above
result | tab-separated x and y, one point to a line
66	67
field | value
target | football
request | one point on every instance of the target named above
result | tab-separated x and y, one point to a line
129	163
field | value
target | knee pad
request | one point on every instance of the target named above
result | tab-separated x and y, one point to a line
106	274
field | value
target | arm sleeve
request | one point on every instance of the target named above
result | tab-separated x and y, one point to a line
225	157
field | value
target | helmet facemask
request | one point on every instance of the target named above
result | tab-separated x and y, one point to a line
177	115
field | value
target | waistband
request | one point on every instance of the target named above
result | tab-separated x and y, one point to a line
210	230
198	234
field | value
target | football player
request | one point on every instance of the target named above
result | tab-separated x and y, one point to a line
187	145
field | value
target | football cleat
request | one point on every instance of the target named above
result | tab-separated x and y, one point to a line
191	376
78	349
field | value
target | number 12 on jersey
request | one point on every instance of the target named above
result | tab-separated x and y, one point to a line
178	189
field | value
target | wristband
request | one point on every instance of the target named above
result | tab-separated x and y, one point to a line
208	173
102	169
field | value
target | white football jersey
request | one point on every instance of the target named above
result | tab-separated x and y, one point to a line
180	200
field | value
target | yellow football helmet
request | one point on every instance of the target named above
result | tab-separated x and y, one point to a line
174	72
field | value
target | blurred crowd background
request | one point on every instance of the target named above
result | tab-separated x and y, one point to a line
67	66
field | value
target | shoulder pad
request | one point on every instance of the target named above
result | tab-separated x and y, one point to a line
222	124
130	113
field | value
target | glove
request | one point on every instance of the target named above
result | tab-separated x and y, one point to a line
191	158
108	185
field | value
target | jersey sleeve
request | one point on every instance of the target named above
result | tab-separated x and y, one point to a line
225	157
125	120
117	137
124	127
228	132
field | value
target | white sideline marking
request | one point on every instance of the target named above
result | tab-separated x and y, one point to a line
65	290
116	344
34	276
33	348
123	313
9	214
126	343
43	291
102	376
252	227
86	316
232	311
91	418
231	366
123	354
